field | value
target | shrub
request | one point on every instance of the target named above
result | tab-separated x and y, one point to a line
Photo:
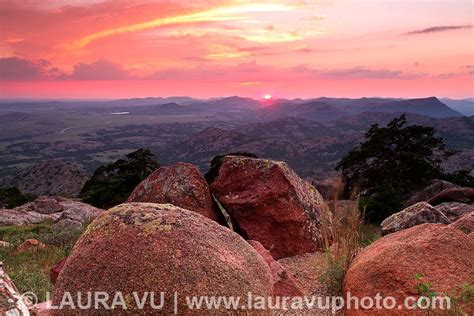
112	184
12	197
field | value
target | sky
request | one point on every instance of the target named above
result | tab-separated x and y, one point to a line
209	48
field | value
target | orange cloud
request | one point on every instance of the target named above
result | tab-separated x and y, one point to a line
227	13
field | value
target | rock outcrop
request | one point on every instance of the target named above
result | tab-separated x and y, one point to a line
182	185
284	285
454	210
417	214
160	247
269	203
51	178
441	254
435	187
63	212
461	195
465	223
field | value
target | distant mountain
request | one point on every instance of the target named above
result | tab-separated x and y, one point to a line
431	107
314	148
327	109
457	131
465	107
151	101
163	109
231	104
290	128
315	110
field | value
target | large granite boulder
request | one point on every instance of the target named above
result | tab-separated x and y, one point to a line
145	247
182	185
67	213
269	203
441	254
417	214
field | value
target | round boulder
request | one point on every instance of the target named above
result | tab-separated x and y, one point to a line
182	185
139	248
441	254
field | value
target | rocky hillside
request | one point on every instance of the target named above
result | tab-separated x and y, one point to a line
50	178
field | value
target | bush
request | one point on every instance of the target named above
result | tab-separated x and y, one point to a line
12	197
112	184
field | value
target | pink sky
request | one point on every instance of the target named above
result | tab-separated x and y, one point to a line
206	48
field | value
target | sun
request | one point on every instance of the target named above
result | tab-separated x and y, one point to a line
267	97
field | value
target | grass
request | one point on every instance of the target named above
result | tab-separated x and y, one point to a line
30	271
344	237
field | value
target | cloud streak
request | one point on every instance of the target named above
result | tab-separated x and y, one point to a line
438	29
227	13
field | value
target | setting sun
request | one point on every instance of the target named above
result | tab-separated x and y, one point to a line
267	97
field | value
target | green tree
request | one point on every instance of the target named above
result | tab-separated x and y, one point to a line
391	163
112	184
12	197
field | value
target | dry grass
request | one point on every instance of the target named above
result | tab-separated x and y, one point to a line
344	237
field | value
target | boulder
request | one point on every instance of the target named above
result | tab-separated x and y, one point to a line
441	254
269	203
284	284
417	214
461	195
30	246
55	270
435	187
146	247
63	212
465	223
182	185
454	210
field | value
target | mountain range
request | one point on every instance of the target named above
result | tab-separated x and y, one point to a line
311	135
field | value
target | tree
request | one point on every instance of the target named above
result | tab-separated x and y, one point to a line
112	184
12	197
391	163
